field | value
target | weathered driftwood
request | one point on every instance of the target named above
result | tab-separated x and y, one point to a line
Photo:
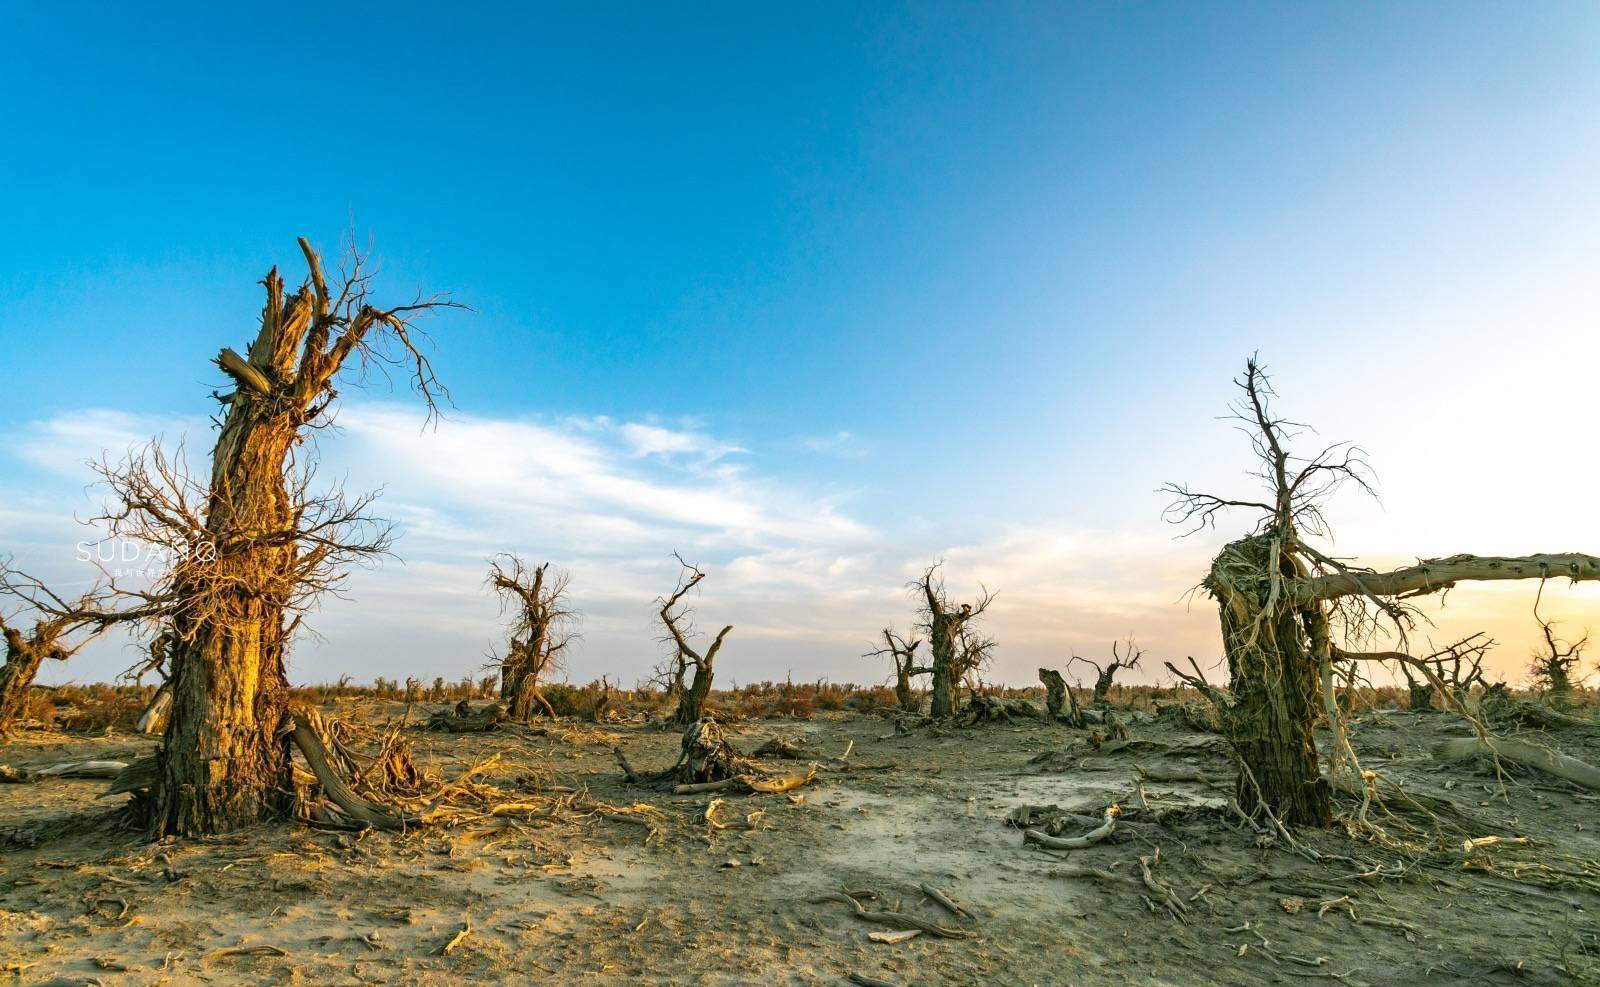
751	783
1505	709
899	920
1168	771
1521	752
84	769
628	774
1107	826
944	900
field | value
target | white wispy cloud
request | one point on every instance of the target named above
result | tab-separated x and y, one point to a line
806	583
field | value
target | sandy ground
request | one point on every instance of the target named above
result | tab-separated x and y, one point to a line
84	899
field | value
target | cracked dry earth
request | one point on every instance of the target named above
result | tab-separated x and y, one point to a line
586	899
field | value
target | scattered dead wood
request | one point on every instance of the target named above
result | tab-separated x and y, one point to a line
449	946
261	950
897	919
995	709
893	938
1502	709
944	901
786	749
1091	873
68	769
750	783
1163	895
467	721
137	778
707	755
1107	826
357	810
1167	771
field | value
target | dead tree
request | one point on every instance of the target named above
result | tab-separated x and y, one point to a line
1104	677
257	542
1419	693
541	631
1456	666
944	624
1459	666
61	628
1059	701
903	652
1282	601
974	654
1553	667
676	617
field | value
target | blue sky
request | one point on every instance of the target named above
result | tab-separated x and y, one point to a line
818	293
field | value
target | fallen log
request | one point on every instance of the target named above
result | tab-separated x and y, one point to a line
1521	752
84	769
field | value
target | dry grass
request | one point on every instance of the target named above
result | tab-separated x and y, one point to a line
98	707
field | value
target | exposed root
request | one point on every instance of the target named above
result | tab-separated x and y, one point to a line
896	919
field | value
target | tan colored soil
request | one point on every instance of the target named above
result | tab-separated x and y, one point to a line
83	899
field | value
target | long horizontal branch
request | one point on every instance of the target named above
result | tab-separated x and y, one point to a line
1433	575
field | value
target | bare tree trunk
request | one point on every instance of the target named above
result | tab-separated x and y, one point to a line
23	659
945	624
1055	688
1275	690
225	757
1102	684
943	701
692	701
521	685
268	544
903	693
